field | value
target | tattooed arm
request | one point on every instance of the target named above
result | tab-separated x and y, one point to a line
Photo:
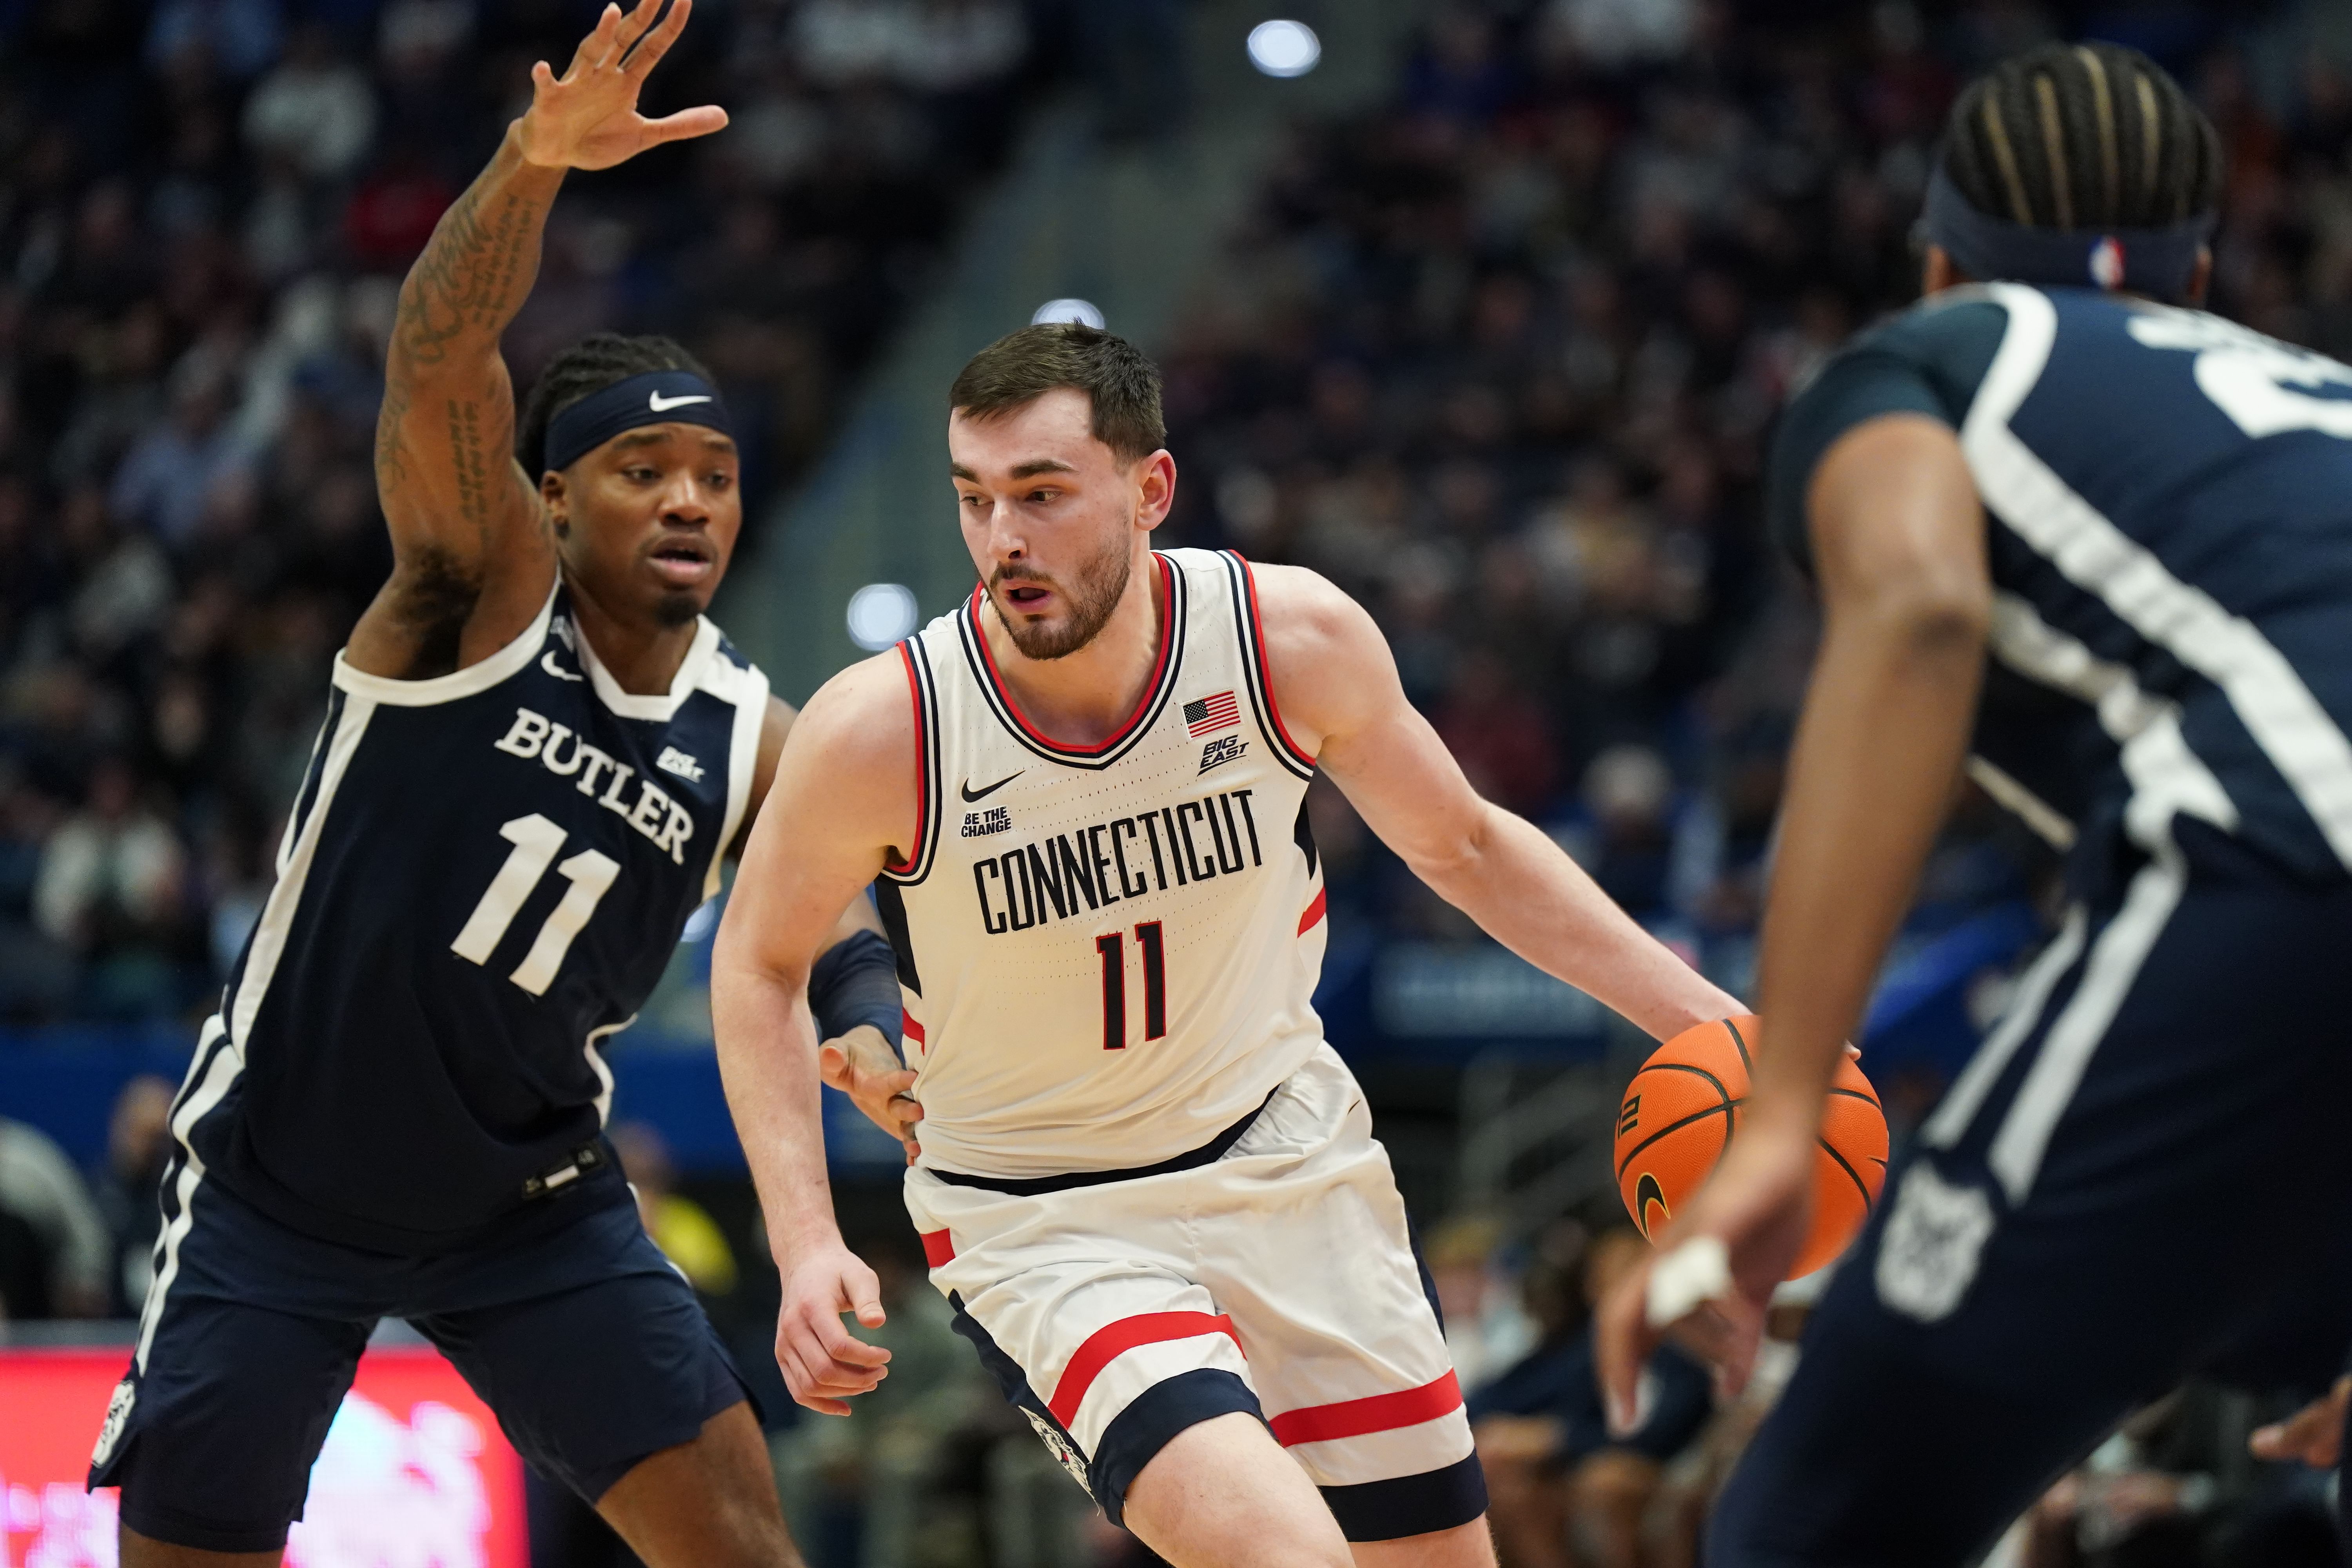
472	554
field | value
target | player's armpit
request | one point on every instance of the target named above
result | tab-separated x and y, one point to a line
774	728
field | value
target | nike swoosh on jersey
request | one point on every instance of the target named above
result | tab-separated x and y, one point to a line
971	794
660	404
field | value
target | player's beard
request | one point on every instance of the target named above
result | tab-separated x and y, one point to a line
1092	593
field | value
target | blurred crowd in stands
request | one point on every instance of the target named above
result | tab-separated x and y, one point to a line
1502	358
205	208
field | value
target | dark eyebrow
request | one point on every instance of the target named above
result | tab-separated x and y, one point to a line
715	439
1036	465
958	471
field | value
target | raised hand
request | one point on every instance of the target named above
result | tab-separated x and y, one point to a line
587	117
862	1065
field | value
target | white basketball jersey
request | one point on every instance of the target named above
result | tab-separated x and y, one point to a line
1108	954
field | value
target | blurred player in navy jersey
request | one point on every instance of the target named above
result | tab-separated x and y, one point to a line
536	752
2145	511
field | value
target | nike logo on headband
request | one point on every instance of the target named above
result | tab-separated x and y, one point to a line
660	404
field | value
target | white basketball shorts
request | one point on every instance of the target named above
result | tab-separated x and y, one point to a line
1269	1272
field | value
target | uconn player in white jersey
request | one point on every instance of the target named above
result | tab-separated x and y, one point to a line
2064	520
1145	1183
536	751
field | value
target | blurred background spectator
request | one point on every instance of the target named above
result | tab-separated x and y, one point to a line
1499	354
54	1248
205	209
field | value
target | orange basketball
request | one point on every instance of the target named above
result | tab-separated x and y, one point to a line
1682	1111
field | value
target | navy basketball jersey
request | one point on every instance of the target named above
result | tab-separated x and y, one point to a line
484	875
2169	500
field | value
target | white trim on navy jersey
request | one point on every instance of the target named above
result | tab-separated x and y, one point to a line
2165	776
210	1076
268	944
211	1071
660	706
2108	975
601	1067
1975	1084
2278	710
503	664
745	686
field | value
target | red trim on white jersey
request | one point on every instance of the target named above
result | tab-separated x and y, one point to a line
1143	704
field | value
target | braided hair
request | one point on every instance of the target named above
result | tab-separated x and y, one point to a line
596	361
2071	136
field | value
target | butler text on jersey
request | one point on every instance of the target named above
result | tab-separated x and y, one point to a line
653	813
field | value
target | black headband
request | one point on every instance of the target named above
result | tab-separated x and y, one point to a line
656	397
2157	262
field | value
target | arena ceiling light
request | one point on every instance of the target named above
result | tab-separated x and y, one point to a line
1285	48
1084	312
881	614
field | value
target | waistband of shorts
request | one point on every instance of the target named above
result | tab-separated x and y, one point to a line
1037	1186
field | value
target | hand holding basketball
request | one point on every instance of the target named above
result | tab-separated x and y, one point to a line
1680	1114
587	117
1753	1188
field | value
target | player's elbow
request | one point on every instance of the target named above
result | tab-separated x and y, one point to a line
1931	619
1453	861
742	959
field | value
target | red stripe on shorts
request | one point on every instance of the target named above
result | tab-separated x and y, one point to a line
1380	1413
939	1248
1116	1339
1313	912
909	1027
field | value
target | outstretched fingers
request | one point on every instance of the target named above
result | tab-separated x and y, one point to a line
597	48
687	124
654	40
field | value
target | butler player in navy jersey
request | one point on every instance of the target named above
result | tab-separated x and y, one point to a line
2058	504
536	752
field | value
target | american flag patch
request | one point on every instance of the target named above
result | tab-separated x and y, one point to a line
1210	714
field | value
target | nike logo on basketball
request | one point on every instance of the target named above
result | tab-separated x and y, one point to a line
660	404
971	794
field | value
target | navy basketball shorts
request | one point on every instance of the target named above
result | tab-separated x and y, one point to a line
1276	1276
2146	1162
588	1345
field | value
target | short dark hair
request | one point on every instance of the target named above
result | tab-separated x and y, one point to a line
596	361
2091	136
1020	367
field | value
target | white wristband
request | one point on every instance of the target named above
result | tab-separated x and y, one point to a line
1693	1274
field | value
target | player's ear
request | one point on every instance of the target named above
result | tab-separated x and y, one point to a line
552	493
1155	482
2201	276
